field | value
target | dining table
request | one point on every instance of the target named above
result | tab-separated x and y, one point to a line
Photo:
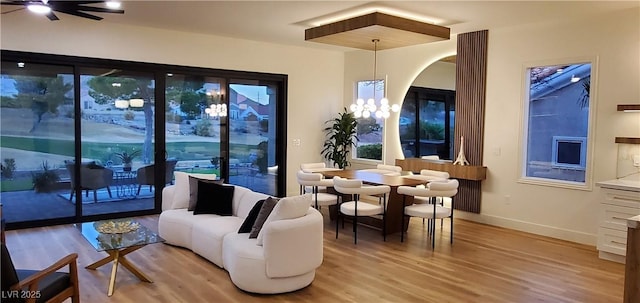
395	201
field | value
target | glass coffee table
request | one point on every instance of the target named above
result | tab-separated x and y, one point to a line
118	238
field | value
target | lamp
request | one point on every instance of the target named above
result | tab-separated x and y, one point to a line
136	102
365	110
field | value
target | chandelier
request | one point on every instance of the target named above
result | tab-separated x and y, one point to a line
216	110
366	110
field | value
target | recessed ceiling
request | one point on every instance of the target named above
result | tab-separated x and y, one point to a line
390	32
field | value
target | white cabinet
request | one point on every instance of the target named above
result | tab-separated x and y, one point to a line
615	208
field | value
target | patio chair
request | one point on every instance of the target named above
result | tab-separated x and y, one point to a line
93	177
145	174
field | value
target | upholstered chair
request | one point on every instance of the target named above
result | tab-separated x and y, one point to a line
430	157
45	285
358	208
316	181
432	211
92	177
145	175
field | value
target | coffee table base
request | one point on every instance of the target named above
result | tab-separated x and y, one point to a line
118	257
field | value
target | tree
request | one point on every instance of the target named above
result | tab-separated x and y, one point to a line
41	94
192	103
105	89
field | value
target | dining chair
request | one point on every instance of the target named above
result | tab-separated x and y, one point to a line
316	181
432	211
358	208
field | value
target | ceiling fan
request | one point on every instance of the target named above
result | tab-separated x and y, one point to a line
76	8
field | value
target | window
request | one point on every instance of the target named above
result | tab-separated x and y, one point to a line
130	126
370	128
557	123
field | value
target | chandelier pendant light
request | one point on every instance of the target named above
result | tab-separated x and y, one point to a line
366	110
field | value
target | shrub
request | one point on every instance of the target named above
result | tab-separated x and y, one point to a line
264	125
367	125
8	168
129	115
43	181
202	128
370	151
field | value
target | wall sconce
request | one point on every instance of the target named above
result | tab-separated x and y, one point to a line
629	108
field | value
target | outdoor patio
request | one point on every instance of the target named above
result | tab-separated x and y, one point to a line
27	205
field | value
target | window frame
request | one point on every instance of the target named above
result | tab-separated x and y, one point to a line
587	185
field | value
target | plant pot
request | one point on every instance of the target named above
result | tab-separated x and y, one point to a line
127	167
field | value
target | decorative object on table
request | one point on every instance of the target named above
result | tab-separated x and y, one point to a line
127	158
461	159
341	136
117	227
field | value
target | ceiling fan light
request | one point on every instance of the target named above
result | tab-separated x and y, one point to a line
113	4
39	8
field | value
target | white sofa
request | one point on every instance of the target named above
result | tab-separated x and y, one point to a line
291	248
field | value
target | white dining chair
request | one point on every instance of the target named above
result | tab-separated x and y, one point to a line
315	182
433	211
358	208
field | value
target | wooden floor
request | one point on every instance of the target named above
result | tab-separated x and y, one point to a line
485	264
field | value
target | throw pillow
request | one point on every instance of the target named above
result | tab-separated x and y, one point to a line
193	190
287	208
181	193
265	210
251	218
214	199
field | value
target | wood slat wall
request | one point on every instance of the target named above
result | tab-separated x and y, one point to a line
471	75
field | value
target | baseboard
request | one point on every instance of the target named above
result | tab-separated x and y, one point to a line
538	229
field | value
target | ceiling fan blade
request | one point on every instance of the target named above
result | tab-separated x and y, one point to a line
77	13
99	9
52	16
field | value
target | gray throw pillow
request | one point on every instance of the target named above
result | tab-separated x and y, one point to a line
265	210
193	190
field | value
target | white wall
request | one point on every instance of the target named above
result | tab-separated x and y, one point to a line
315	76
562	213
440	75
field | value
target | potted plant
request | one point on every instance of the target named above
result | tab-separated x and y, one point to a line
45	180
341	136
127	158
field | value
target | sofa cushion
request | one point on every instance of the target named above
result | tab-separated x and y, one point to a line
247	225
181	194
214	199
193	190
264	213
287	208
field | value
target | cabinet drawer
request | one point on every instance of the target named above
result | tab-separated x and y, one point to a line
622	198
612	241
615	217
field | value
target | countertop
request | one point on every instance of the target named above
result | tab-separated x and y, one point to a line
621	184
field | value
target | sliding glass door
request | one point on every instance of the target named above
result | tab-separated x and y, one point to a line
115	174
37	138
90	139
195	111
252	135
